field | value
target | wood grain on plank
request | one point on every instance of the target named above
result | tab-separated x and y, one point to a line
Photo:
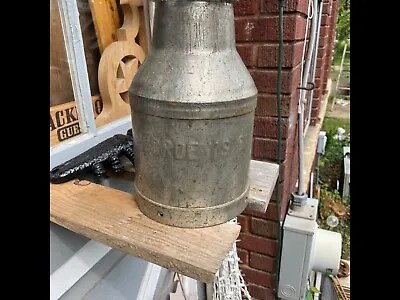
262	176
112	217
106	21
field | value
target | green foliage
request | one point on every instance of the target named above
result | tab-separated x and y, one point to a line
314	290
344	222
310	292
309	295
331	125
330	167
342	30
343	25
330	170
326	192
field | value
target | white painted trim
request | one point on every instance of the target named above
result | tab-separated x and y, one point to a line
318	281
77	145
190	287
62	279
149	282
77	64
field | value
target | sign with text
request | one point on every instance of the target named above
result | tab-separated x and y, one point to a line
64	122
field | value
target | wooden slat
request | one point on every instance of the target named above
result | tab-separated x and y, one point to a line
106	21
345	281
112	217
262	176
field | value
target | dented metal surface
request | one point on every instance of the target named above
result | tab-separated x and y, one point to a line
193	103
96	159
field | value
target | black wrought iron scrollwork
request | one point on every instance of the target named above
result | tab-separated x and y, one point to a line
97	158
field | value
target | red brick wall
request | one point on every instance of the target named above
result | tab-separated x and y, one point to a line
256	27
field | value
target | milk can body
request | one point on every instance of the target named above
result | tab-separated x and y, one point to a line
193	103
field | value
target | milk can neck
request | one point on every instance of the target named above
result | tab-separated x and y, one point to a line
193	26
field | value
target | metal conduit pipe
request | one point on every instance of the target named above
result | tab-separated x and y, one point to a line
314	65
300	198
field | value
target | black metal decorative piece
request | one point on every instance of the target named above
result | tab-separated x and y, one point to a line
97	158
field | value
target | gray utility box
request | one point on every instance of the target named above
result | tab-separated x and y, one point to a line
306	248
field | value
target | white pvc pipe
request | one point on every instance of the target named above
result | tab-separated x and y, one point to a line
314	66
318	283
311	45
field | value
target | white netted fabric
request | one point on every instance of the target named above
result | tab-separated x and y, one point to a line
228	282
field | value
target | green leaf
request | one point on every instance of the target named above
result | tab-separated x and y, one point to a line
309	296
314	290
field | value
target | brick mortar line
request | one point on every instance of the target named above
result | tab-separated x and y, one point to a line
259	270
251	251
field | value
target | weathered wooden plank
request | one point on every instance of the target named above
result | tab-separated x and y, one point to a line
263	176
112	217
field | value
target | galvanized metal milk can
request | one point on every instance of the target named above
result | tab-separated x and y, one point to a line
193	104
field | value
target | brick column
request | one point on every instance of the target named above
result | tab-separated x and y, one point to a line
325	54
256	28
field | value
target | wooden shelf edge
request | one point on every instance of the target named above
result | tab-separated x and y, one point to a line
112	217
263	176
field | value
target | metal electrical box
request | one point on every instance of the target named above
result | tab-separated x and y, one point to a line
305	248
321	142
298	238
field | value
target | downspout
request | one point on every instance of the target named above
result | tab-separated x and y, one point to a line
300	198
279	146
314	65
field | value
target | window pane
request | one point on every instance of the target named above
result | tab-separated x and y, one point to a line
60	78
64	122
90	44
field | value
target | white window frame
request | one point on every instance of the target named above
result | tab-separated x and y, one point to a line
90	135
92	252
